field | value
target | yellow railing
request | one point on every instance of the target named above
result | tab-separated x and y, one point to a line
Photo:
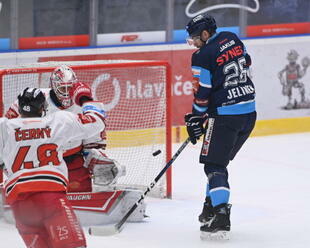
282	126
142	137
136	137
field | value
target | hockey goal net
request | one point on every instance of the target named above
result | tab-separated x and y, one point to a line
136	96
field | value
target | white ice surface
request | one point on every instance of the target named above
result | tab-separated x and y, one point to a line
270	193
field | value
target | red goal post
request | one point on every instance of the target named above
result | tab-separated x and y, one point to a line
137	99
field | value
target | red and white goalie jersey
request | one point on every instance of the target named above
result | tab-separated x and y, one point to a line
32	149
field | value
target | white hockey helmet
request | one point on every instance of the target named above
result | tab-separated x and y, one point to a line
61	80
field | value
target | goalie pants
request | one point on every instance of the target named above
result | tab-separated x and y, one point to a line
79	176
47	220
224	137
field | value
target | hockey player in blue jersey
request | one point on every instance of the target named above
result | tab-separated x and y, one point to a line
224	97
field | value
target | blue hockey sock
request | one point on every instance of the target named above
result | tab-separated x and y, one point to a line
219	195
218	184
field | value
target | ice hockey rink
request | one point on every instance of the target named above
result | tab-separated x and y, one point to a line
270	193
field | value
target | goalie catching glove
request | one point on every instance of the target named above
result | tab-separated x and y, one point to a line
105	171
194	126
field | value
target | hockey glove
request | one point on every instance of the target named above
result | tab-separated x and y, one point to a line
80	93
194	126
105	171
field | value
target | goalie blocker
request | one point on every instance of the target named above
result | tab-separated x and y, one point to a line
105	171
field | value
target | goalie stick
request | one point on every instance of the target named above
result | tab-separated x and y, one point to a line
107	230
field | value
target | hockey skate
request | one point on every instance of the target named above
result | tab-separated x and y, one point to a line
218	228
207	212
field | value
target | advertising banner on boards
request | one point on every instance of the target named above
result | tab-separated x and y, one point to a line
280	72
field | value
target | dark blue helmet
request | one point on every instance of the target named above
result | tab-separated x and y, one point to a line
32	102
200	23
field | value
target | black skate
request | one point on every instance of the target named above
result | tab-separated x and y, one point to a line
218	227
207	212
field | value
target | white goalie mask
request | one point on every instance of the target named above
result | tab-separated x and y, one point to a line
61	81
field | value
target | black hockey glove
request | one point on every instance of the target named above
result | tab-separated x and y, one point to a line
194	126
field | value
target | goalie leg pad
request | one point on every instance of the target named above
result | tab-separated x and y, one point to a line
129	199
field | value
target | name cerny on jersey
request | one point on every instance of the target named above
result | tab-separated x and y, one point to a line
32	133
32	150
71	147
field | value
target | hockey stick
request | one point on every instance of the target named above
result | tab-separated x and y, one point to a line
107	230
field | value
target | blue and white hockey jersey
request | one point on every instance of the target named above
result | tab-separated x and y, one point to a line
221	83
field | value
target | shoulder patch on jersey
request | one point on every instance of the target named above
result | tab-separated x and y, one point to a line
11	114
85	119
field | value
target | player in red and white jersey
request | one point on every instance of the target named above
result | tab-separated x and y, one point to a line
62	81
32	149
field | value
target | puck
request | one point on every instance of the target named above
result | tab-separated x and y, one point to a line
156	153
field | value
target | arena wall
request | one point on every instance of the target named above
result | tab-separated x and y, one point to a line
278	111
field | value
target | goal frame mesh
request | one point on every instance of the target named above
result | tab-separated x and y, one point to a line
47	67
